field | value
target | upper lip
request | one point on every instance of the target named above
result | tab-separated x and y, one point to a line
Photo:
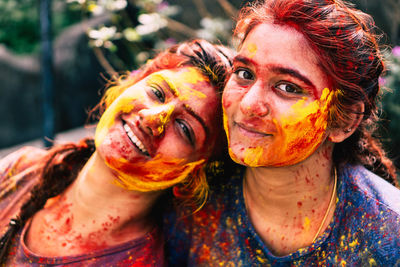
140	134
268	130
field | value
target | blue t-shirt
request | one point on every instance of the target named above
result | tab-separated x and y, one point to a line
365	229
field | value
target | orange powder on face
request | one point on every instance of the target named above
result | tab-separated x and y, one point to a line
299	134
156	174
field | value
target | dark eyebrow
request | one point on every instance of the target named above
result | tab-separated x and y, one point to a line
281	70
172	88
244	60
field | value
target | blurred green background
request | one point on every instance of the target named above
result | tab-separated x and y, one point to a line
94	40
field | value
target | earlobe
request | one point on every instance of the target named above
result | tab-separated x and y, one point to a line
339	134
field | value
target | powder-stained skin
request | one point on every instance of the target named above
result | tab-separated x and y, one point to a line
160	110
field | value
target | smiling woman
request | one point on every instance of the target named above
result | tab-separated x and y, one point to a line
298	113
98	202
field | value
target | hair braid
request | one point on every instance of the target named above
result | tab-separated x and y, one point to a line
60	169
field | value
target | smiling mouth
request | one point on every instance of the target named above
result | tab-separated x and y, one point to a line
135	141
250	131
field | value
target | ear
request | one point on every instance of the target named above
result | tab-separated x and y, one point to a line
339	134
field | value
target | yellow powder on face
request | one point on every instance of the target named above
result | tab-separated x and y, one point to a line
123	105
191	75
157	174
160	172
299	133
252	49
164	117
253	155
181	82
184	81
226	128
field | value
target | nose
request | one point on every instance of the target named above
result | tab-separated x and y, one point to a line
253	102
155	119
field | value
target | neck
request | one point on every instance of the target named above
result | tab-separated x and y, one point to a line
93	213
287	204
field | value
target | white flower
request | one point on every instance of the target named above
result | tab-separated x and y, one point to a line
104	33
150	23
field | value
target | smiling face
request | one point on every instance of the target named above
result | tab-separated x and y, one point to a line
160	129
276	102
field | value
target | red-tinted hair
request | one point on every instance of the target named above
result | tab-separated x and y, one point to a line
346	43
214	61
63	162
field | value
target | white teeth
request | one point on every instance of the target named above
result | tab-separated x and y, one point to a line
134	139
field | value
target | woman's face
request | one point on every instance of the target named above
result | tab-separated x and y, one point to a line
160	129
276	101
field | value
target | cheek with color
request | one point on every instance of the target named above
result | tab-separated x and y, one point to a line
122	105
299	134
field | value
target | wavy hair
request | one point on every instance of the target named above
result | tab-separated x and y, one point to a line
63	162
346	42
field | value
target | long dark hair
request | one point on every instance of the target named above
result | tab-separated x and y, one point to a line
346	41
63	162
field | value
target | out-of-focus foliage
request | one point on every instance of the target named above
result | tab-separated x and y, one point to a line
19	23
140	28
391	104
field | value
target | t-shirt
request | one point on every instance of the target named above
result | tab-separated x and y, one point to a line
19	172
365	229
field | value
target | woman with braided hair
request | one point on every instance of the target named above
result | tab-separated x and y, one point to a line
299	113
98	202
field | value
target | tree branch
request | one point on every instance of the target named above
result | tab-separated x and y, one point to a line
228	8
180	27
103	61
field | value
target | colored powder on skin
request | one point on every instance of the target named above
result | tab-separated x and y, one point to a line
252	155
163	117
192	75
123	105
298	134
158	174
252	49
182	80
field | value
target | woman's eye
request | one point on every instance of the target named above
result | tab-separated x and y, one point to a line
159	93
289	88
186	130
244	74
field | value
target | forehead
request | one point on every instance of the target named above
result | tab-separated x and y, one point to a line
191	88
185	82
279	45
